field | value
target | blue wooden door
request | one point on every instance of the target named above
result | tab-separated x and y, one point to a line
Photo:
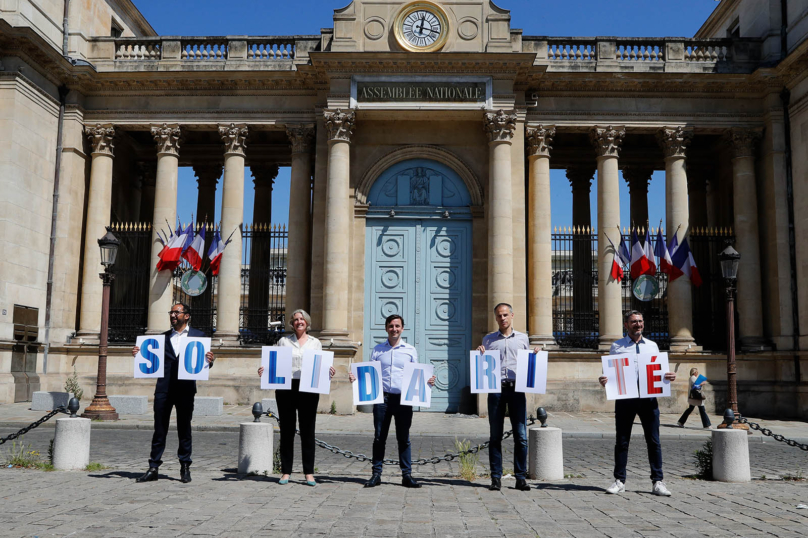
421	269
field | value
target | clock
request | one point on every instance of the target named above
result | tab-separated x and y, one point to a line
421	27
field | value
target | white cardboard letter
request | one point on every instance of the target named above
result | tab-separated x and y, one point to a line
191	358
415	390
277	364
622	374
367	389
150	360
486	372
531	371
314	376
652	370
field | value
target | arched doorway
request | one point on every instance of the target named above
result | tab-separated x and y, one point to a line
418	265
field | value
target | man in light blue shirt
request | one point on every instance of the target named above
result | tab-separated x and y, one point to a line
393	354
646	408
508	342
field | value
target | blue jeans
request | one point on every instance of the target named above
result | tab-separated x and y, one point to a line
383	413
517	407
624	412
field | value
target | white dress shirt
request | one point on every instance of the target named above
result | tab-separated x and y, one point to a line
175	339
297	350
508	347
627	345
393	360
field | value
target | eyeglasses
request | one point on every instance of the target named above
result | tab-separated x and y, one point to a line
177	312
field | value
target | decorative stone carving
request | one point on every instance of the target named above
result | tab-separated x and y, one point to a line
743	141
167	138
100	138
339	124
607	140
581	177
301	137
264	174
674	141
234	138
207	175
637	178
499	126
539	140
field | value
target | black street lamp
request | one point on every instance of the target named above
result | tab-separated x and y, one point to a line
730	259
101	408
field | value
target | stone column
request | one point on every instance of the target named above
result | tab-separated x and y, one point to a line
747	240
637	178
539	237
337	225
500	128
99	206
298	252
580	178
264	180
607	147
207	177
674	141
229	285
165	209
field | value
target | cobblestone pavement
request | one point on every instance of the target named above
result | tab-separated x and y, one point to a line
218	503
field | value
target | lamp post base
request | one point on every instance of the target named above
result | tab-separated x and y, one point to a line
100	409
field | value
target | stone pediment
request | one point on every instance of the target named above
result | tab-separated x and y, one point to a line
472	26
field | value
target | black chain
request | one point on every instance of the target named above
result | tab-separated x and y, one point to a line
449	456
769	433
60	409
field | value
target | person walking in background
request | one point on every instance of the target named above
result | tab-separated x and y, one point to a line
293	405
695	399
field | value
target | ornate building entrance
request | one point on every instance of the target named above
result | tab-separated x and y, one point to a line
418	265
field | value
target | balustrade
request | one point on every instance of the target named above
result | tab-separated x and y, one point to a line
203	49
270	48
566	50
706	52
641	52
137	50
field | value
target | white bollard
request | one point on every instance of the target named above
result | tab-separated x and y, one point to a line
731	456
546	454
71	444
255	451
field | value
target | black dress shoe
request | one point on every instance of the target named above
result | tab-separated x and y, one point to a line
522	485
496	485
150	476
409	482
374	481
185	472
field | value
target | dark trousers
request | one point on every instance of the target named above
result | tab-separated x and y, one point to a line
162	415
294	406
624	412
705	420
517	410
383	414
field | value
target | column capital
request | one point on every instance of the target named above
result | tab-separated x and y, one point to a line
499	125
167	138
301	136
208	174
264	174
637	177
743	141
674	140
539	140
339	124
234	138
607	140
100	138
580	177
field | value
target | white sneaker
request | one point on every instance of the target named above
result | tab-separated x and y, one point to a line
617	487
660	489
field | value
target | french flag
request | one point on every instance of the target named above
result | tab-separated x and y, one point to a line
639	261
195	248
649	252
661	251
173	252
684	264
215	252
621	254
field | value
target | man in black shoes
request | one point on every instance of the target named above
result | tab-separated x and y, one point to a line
172	392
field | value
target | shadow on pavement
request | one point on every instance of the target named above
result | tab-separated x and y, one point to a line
567	487
128	474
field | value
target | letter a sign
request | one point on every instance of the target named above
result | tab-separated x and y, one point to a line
486	372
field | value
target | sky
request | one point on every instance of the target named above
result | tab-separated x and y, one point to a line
622	18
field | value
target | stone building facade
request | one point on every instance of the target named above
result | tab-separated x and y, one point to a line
420	138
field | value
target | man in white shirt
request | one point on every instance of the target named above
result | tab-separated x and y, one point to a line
393	354
646	408
508	342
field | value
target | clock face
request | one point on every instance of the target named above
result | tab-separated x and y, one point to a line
421	27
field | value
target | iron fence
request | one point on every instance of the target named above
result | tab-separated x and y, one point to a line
575	288
129	295
263	283
709	299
